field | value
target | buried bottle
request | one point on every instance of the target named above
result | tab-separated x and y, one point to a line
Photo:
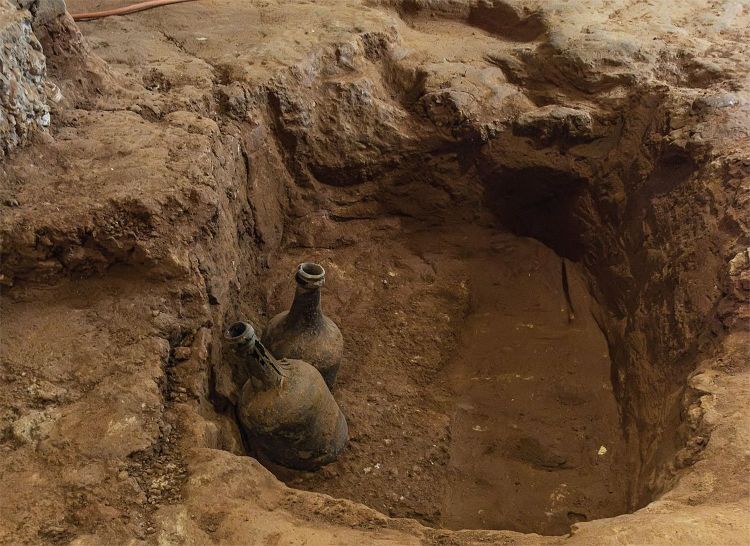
285	407
304	332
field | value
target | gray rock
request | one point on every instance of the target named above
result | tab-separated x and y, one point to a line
45	11
23	100
717	100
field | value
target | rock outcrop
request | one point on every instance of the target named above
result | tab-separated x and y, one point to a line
23	97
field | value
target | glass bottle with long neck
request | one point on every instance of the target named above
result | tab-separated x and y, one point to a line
305	332
285	407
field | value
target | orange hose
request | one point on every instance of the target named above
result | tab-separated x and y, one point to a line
132	8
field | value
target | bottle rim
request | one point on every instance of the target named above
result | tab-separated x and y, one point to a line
311	274
239	331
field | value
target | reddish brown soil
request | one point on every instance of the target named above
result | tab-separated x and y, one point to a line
201	151
532	400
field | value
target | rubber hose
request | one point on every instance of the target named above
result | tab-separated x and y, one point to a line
132	8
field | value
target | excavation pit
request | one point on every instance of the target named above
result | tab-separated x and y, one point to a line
533	224
477	377
474	400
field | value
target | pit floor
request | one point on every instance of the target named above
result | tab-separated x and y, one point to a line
474	398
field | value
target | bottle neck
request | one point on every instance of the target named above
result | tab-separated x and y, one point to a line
261	365
306	308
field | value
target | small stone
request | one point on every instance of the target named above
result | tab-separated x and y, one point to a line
182	353
45	391
715	101
552	121
48	11
34	425
739	263
55	530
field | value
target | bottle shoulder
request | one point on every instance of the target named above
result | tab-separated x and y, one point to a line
275	322
298	376
298	398
280	325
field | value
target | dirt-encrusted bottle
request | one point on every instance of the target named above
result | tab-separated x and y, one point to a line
304	332
285	407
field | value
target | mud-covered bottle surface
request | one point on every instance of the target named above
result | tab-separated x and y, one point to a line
285	407
305	332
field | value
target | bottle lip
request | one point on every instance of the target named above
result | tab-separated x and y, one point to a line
310	274
239	332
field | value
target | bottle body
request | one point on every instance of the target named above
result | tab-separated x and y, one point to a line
320	344
304	332
299	425
285	407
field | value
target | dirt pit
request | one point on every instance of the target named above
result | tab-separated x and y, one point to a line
495	375
476	382
477	378
534	230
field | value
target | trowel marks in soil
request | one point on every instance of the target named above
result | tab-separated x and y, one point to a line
535	437
473	400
